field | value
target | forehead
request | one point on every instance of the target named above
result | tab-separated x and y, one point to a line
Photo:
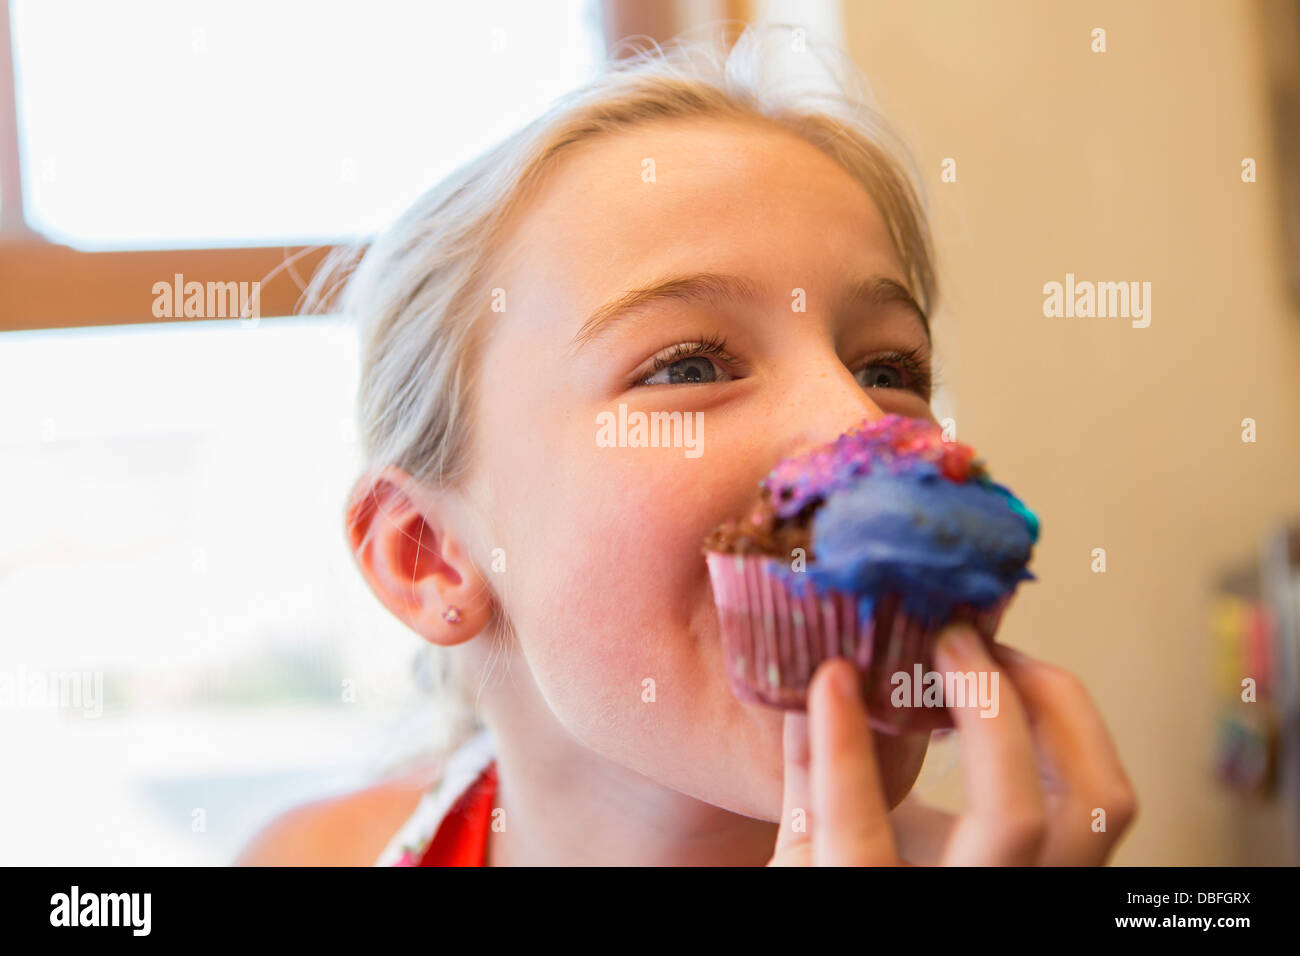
731	196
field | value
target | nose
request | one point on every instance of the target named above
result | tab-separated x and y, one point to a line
820	406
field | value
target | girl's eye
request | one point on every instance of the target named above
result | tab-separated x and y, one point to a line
879	376
695	370
700	362
907	369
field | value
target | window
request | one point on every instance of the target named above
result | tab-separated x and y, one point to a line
172	496
152	124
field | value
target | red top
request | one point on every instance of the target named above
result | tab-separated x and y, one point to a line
462	836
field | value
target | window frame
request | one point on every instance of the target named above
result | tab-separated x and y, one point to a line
48	285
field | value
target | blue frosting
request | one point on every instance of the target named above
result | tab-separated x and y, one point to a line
936	542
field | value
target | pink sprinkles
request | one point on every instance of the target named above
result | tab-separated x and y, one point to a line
897	443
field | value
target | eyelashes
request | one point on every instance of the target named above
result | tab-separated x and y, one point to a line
706	346
911	363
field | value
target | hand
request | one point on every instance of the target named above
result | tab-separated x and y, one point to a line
1035	774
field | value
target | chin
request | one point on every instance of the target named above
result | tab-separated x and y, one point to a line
899	757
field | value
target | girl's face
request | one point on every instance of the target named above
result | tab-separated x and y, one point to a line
780	320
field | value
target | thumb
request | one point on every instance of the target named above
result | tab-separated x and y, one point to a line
794	839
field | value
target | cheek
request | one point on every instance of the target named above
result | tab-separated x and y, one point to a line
610	588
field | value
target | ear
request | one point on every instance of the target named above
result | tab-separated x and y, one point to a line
412	561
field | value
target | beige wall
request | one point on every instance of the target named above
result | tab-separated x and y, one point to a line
1116	166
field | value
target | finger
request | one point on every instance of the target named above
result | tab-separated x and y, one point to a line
1005	821
1094	800
851	818
794	838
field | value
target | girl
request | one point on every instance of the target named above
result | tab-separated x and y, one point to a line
689	233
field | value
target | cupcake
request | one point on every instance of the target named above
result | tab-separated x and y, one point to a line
865	548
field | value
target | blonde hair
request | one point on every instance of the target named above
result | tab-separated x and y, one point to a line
420	292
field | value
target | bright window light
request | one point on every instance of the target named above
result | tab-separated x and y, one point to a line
172	503
150	123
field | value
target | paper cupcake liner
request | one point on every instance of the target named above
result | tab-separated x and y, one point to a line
773	640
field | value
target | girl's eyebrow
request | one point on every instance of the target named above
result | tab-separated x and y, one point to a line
880	290
713	288
710	288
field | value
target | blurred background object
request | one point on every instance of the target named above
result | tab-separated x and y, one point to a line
189	650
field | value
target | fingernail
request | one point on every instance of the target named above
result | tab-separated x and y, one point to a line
956	643
1010	653
845	683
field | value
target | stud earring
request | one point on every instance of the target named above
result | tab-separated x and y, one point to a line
451	615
